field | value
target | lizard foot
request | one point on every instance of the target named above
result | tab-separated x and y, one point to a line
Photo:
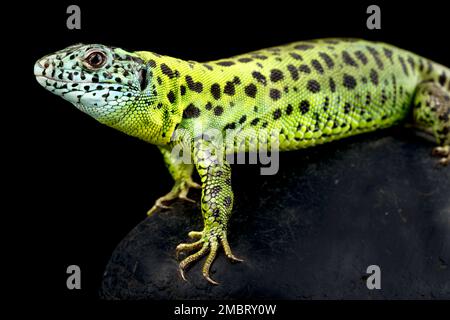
444	153
179	190
208	241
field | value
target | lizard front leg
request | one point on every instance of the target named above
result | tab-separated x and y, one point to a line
216	203
181	174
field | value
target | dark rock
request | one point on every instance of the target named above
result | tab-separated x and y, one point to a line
311	231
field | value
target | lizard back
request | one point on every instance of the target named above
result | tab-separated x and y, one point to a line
308	92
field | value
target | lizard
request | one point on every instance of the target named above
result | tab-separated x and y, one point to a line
307	93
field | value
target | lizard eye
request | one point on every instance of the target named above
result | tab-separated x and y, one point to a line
95	60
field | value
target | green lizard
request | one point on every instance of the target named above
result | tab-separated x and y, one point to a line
308	93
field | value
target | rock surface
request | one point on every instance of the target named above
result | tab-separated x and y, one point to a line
311	231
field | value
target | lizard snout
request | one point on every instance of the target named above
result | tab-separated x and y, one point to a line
43	70
38	68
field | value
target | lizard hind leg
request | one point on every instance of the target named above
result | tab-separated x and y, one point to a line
432	113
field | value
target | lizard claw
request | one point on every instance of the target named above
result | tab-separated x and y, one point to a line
206	275
208	278
208	242
180	190
227	249
158	205
182	274
235	259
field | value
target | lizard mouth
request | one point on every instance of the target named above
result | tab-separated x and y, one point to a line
40	79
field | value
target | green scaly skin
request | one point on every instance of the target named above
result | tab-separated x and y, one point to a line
308	93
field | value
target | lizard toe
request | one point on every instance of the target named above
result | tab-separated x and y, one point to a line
185	263
227	249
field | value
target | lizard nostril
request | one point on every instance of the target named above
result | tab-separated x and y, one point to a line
46	64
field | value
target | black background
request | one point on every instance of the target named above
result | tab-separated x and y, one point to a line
84	186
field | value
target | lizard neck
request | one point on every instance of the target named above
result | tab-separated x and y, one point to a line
157	110
190	95
179	90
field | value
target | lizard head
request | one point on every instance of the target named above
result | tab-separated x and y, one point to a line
114	86
99	80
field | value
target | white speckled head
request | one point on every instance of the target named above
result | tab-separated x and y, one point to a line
97	79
